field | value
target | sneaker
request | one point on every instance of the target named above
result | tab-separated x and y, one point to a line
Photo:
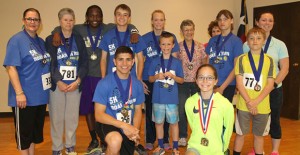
182	142
149	146
274	153
167	146
93	144
141	150
71	151
56	153
96	151
158	151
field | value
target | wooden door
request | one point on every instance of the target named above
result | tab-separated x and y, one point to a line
287	29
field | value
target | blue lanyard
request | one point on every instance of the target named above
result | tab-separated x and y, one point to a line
257	72
189	54
94	43
123	43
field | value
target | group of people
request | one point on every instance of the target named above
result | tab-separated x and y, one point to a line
107	71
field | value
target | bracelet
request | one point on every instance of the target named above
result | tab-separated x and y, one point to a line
19	93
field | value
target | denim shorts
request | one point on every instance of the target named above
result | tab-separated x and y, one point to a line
162	111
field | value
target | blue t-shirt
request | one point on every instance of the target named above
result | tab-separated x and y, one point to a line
151	52
22	53
161	94
110	44
108	94
224	62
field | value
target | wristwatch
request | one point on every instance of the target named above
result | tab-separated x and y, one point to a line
275	85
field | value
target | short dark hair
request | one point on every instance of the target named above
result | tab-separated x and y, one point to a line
33	10
166	35
211	25
88	11
209	66
258	16
124	49
123	7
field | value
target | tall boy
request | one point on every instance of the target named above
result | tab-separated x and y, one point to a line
255	74
120	36
165	71
118	110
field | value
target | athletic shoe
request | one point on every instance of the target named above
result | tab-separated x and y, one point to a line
182	142
96	151
274	153
93	144
141	150
158	151
71	151
167	146
56	153
149	146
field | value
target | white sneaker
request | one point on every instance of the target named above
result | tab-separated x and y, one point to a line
182	142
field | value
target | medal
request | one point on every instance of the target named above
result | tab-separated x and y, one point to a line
93	56
216	61
190	66
44	61
257	87
68	62
166	85
218	48
256	72
204	141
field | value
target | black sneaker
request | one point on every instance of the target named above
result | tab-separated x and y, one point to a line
141	150
93	144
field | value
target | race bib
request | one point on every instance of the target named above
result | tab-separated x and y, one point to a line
250	82
124	116
46	80
68	72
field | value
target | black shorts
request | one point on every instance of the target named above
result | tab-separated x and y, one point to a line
127	146
29	124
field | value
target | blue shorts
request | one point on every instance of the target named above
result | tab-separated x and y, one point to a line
161	111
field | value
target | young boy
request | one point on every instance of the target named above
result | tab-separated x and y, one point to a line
118	110
165	71
119	36
255	74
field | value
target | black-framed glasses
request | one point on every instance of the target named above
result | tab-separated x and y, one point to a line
207	78
32	19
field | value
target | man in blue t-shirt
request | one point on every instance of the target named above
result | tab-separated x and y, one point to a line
118	109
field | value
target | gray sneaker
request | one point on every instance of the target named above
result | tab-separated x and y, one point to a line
182	142
56	153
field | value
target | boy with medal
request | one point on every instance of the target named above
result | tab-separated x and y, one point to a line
165	71
255	74
118	109
210	116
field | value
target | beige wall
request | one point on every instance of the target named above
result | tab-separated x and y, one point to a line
200	11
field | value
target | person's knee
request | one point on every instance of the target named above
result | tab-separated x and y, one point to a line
114	141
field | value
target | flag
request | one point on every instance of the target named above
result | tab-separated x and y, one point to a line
243	22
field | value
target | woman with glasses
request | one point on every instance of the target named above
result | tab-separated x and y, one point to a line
223	50
210	116
192	56
68	68
28	66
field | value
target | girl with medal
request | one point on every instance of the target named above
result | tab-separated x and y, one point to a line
192	56
28	66
68	67
118	111
278	51
255	74
210	116
165	72
223	50
152	51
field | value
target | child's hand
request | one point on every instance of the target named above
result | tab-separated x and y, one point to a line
160	76
169	75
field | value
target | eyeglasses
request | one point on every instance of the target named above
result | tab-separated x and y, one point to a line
207	78
32	19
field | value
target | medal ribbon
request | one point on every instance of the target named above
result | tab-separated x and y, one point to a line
36	43
205	117
125	93
267	44
156	42
189	54
218	48
67	50
164	69
123	43
94	43
257	72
